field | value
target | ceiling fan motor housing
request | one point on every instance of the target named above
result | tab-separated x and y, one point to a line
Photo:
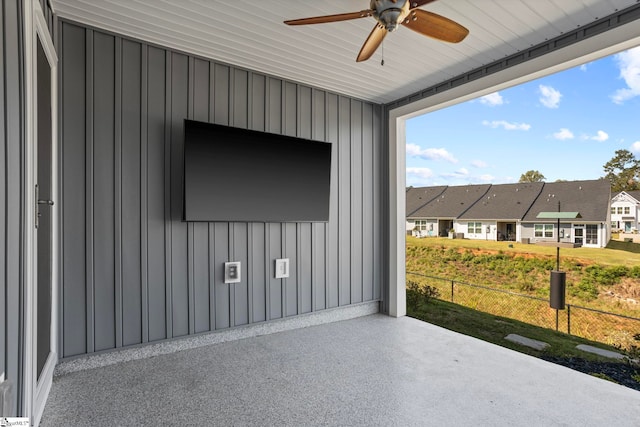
390	13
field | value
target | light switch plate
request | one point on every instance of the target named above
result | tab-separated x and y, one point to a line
282	268
232	272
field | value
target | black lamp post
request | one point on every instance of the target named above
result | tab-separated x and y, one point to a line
558	280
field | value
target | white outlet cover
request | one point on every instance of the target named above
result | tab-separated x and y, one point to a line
282	268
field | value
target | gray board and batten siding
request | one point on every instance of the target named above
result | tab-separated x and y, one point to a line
11	198
132	271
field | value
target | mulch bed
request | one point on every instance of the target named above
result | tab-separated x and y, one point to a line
621	373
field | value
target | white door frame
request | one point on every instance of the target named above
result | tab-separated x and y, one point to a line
591	49
34	393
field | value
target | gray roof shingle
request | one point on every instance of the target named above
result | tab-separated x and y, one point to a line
418	197
505	202
592	199
452	202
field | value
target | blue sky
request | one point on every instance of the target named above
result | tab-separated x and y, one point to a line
567	126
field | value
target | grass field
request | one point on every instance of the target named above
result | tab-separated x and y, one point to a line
600	279
562	347
601	256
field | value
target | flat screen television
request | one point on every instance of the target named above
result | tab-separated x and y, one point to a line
233	174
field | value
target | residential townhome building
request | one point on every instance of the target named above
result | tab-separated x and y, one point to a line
625	210
510	212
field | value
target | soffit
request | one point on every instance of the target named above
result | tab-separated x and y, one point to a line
251	35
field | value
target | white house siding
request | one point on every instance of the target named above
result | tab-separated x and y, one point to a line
625	211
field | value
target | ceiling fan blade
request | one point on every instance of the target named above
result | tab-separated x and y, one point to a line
330	18
436	26
372	43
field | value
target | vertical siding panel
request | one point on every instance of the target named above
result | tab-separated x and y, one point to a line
378	226
179	266
144	193
333	228
90	284
131	195
240	290
305	107
319	267
274	103
13	141
104	190
4	189
221	100
290	108
258	272
257	102
117	187
168	174
356	202
78	177
239	104
155	196
304	262
221	253
257	250
275	285
290	250
367	203
344	200
200	246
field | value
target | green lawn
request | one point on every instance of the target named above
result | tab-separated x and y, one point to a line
601	256
493	329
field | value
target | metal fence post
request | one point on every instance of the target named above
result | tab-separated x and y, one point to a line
452	284
569	319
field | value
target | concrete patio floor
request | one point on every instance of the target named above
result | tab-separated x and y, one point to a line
373	370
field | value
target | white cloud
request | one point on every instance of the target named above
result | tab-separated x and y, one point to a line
492	99
583	67
635	147
415	150
506	125
419	176
460	173
600	136
487	178
629	65
479	164
563	134
549	97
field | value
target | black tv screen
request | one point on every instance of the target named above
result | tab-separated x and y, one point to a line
233	174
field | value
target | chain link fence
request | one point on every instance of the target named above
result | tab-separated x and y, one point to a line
595	325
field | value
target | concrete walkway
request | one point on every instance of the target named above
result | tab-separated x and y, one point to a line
374	370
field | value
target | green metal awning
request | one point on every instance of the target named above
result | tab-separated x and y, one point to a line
559	215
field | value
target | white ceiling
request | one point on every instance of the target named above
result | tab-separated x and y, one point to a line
250	34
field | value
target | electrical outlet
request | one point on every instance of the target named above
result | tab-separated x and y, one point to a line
282	268
232	272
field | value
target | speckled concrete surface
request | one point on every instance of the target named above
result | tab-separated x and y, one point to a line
233	334
372	370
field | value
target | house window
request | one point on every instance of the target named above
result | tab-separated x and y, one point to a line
421	224
613	211
474	227
591	234
614	224
626	210
619	210
543	230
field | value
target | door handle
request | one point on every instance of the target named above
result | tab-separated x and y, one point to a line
45	202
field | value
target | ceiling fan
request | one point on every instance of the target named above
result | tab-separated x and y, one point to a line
390	13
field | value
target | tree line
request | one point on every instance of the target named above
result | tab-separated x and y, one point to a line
622	171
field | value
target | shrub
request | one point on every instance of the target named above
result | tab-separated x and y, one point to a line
418	295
